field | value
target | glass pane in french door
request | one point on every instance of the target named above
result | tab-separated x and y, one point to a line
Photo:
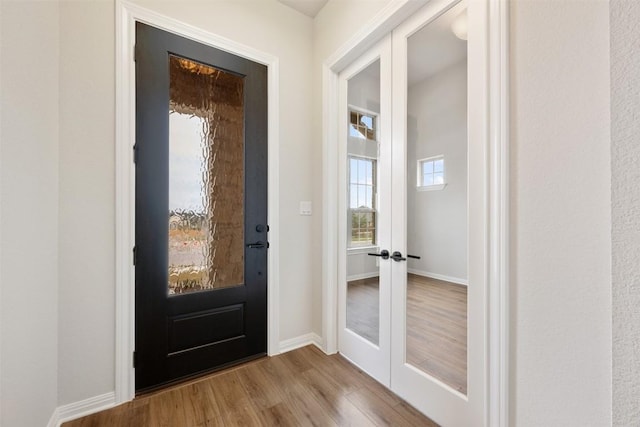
363	277
206	177
436	323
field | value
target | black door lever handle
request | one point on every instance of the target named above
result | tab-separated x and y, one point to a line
384	254
413	256
397	256
258	245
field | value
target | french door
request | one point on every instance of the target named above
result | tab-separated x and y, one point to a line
412	263
201	208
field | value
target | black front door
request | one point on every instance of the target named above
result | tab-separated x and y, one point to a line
201	208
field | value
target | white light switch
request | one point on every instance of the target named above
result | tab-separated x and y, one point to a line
305	208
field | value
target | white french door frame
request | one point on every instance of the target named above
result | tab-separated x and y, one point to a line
438	400
493	48
372	358
127	14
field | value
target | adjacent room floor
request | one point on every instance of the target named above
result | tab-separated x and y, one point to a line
304	387
436	324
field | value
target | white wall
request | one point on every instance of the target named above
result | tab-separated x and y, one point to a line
87	198
87	147
560	200
437	220
625	197
29	212
561	304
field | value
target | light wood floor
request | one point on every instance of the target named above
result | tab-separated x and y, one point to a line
304	387
436	324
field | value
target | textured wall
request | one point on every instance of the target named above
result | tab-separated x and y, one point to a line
625	212
560	200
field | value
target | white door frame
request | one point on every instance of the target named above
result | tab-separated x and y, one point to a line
127	14
371	358
497	227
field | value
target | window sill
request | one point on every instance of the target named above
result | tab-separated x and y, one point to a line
432	187
361	250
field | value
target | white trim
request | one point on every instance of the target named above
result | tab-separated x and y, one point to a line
85	407
362	276
329	213
126	15
359	250
301	341
498	299
437	276
435	187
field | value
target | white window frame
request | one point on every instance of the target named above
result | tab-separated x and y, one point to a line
374	196
376	130
419	175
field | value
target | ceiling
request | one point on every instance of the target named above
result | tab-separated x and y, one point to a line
432	49
307	7
435	47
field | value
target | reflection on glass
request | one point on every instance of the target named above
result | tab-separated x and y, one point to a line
363	305
206	178
436	323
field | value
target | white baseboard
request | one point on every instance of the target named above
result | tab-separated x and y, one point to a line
301	341
74	410
437	276
363	276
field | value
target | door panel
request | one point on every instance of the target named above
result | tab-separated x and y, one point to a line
365	151
417	320
436	306
201	203
439	167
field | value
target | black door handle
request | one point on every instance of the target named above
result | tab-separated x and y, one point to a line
258	245
384	254
413	256
397	256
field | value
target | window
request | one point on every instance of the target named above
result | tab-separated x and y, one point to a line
431	173
362	196
362	125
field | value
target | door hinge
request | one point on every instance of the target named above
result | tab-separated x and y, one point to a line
135	52
135	359
135	255
135	153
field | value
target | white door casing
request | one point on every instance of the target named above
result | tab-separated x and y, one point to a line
488	55
127	14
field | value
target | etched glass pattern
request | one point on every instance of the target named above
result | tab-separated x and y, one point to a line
206	177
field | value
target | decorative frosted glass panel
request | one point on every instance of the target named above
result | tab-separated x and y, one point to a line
206	177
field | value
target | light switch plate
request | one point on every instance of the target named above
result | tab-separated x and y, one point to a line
305	208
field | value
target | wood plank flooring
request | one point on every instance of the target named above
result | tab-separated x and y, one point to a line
304	387
436	324
363	308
